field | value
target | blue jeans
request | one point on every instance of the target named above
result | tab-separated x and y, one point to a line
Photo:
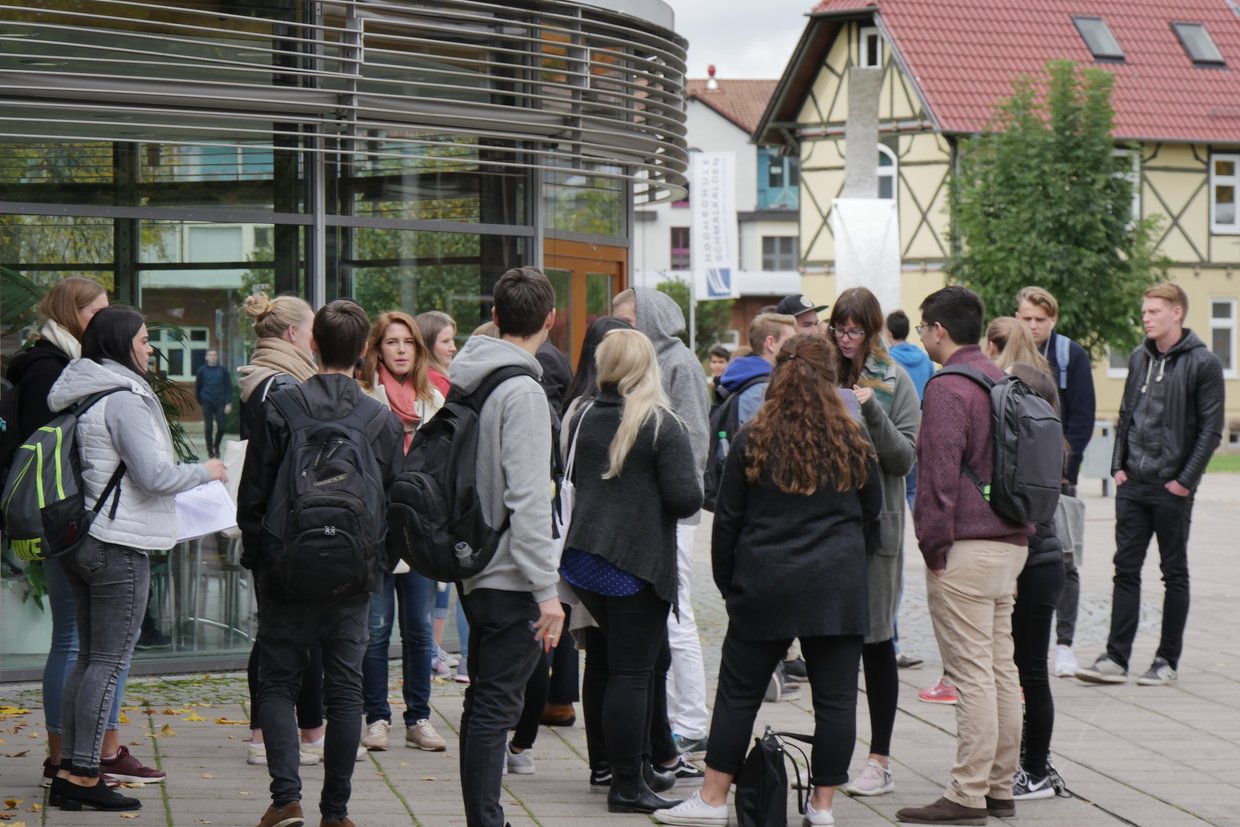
110	585
417	599
63	655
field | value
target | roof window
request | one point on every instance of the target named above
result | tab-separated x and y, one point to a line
1098	38
1198	43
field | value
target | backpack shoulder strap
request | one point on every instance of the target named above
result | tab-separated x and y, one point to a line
292	408
969	372
1062	355
87	402
476	398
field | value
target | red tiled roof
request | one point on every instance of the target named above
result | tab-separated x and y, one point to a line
964	55
740	101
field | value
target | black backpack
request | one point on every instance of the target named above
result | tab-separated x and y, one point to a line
43	502
435	518
724	423
327	506
1027	457
762	784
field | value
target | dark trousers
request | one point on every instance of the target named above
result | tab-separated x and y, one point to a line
882	692
310	699
287	632
213	425
1142	511
565	667
1066	611
557	684
1038	589
832	664
634	630
502	655
659	746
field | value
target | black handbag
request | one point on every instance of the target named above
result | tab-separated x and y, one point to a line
762	785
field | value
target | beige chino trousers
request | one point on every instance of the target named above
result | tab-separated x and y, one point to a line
971	609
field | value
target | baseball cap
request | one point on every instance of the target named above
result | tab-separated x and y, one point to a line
796	304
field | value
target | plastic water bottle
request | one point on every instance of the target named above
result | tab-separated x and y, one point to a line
724	446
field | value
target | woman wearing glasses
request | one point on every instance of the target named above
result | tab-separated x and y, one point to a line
892	415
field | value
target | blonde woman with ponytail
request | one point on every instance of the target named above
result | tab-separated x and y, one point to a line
635	476
282	357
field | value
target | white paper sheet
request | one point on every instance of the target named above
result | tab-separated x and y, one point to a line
204	510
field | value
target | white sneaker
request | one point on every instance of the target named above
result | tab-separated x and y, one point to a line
695	811
256	755
314	751
422	735
1065	662
376	737
520	763
813	818
875	779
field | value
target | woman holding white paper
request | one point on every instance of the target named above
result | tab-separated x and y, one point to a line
125	448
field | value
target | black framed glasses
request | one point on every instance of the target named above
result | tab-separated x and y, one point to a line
921	328
846	333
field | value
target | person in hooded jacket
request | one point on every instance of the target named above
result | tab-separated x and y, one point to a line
67	308
658	316
109	572
282	358
1170	423
749	375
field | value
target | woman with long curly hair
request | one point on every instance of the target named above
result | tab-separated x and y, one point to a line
892	413
800	490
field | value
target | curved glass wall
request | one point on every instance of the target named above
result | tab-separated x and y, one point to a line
186	154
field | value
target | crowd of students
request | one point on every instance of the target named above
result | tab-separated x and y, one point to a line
806	544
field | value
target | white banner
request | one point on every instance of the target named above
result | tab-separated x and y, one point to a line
712	240
867	247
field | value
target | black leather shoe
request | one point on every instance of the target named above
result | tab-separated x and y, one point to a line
658	780
69	796
630	794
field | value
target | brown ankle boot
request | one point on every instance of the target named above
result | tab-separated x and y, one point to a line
943	811
287	816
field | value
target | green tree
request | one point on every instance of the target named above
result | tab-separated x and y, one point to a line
713	317
1042	198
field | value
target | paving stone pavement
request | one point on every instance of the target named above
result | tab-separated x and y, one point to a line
1130	755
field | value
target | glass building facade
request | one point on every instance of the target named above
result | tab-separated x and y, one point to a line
402	153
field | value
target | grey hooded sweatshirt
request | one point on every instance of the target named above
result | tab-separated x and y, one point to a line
684	382
514	450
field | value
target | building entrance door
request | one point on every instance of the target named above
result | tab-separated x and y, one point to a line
585	277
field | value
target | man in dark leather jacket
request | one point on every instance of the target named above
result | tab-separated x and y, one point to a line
1170	423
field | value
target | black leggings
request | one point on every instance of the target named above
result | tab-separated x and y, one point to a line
882	692
1037	593
744	674
309	701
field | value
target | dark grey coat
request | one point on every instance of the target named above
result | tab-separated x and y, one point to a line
894	435
630	520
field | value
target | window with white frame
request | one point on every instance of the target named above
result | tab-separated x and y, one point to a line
1224	184
871	46
886	172
181	357
779	253
1117	363
1133	174
1223	333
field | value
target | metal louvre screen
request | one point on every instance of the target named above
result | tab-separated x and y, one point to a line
535	85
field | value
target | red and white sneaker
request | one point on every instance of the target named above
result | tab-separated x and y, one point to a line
124	767
941	693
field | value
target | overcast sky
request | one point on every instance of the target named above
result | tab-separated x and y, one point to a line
743	38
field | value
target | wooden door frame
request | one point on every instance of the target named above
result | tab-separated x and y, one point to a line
577	256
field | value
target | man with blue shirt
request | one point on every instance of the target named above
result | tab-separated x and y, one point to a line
748	375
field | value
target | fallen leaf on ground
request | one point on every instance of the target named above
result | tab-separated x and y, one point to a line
193	716
34	808
167	730
7	816
20	754
129	815
208	775
230	722
11	803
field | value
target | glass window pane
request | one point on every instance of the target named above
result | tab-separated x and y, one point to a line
562	333
1224	167
1098	38
1220	343
1220	310
1198	43
578	202
599	289
1117	359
